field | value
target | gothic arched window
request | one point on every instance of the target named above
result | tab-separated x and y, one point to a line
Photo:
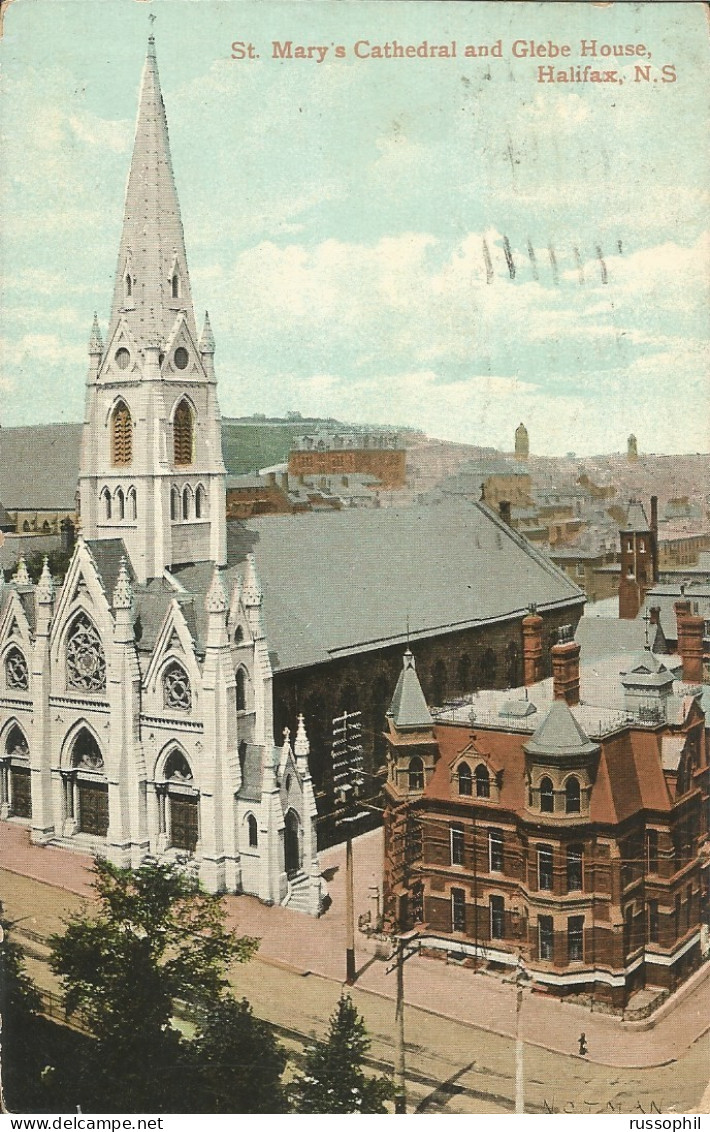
177	767
238	635
186	502
253	831
200	502
416	773
465	781
132	504
120	504
86	662
174	504
572	796
121	435
183	434
106	503
176	687
175	286
86	752
483	781
129	286
241	690
547	796
16	672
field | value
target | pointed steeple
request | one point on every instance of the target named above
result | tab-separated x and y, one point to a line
21	577
96	344
207	344
216	600
409	707
123	592
252	593
45	586
152	283
302	747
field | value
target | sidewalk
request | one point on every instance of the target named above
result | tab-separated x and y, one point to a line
302	944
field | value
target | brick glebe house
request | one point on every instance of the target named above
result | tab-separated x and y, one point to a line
562	825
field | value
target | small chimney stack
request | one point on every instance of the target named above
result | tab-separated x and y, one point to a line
67	536
532	646
654	514
565	667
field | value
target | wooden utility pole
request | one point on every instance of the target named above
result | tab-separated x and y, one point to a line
347	782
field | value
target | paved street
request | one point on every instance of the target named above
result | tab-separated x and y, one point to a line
460	1025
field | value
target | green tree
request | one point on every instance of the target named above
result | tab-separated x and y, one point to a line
19	1005
334	1079
58	563
237	1063
155	937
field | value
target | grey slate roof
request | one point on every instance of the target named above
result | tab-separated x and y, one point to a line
636	518
409	708
251	773
40	484
560	734
347	581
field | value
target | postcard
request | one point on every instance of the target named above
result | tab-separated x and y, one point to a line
353	378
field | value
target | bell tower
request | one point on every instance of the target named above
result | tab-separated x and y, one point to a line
151	463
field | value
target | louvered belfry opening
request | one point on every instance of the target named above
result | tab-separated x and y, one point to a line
183	434
121	435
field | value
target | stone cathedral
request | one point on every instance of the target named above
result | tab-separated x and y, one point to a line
135	714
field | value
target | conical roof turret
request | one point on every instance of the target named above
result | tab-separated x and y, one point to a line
409	707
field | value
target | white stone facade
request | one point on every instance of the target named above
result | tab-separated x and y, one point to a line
135	718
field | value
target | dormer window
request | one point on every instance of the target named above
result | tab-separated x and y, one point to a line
465	780
483	781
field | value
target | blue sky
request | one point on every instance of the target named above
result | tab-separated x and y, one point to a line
336	215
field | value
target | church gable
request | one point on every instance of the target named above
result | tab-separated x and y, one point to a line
182	358
122	360
238	628
82	601
14	625
15	648
173	679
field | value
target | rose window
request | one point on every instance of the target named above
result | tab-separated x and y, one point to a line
176	688
16	672
86	663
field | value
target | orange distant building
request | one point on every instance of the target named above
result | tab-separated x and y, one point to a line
377	454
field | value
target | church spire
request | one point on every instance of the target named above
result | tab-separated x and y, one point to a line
152	283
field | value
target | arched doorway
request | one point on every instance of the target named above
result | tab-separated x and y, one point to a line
15	793
178	804
292	844
86	797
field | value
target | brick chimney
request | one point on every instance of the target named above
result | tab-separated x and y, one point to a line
691	630
532	646
565	667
